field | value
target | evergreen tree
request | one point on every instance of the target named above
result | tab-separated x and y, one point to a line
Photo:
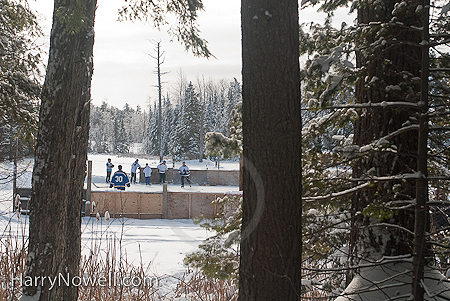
386	76
105	124
19	75
234	96
210	119
107	129
167	126
121	138
175	144
218	145
383	152
188	128
212	112
215	110
127	114
137	125
94	133
218	256
147	136
220	112
153	132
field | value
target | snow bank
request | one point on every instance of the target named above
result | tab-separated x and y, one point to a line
392	281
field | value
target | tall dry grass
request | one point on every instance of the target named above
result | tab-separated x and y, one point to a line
13	256
105	259
196	286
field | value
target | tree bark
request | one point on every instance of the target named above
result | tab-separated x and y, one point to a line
270	261
421	226
61	152
388	72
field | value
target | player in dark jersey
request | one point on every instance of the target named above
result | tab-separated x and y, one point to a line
120	179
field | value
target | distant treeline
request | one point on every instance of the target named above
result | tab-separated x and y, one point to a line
186	116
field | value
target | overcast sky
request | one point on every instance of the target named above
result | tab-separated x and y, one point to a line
124	71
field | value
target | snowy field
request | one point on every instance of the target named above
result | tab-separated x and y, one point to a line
159	244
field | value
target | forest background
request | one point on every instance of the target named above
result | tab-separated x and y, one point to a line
362	119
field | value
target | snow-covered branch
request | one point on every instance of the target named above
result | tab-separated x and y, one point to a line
440	69
335	194
383	104
392	226
382	261
329	226
440	43
405	176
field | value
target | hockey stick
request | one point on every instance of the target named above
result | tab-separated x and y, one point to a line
100	186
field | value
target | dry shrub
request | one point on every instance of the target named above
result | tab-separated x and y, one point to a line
12	260
195	286
110	265
122	281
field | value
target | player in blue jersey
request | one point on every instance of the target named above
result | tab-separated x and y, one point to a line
120	179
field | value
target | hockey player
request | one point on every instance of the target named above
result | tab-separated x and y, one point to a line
109	167
185	173
147	173
134	168
120	179
162	168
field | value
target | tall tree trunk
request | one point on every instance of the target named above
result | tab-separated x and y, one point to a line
160	118
271	225
389	73
421	226
61	153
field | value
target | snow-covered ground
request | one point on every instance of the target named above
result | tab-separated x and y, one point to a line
160	243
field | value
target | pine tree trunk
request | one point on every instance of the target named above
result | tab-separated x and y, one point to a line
271	225
389	74
421	226
61	153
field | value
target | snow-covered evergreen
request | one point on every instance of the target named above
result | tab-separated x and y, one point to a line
121	141
168	126
186	117
152	132
188	127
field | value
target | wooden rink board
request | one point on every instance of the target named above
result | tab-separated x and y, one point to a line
128	204
180	205
189	205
